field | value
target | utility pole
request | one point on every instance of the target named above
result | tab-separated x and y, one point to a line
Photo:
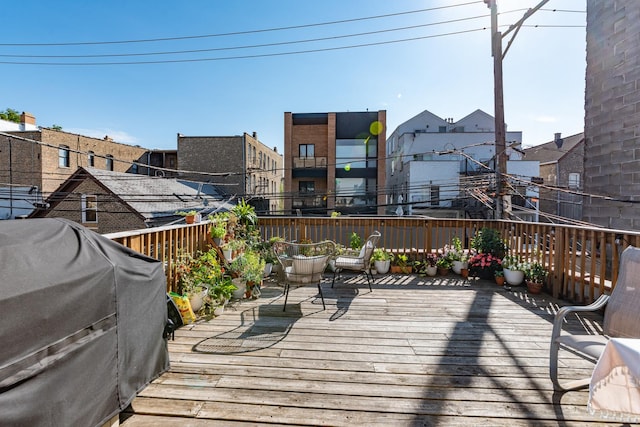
500	128
498	97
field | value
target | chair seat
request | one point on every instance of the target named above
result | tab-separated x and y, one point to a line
350	263
591	345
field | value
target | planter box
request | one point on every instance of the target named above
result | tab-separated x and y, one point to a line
396	269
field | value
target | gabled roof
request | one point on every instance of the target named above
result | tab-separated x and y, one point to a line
153	198
549	151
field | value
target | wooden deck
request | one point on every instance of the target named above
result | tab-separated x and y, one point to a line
415	351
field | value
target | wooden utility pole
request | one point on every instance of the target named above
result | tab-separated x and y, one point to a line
498	96
500	128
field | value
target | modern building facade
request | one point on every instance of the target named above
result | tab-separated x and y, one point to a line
612	115
442	168
241	165
334	162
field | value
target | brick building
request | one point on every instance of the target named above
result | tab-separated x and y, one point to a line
612	114
43	159
334	162
562	171
241	165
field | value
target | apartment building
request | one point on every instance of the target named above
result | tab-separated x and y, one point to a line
334	162
35	161
241	165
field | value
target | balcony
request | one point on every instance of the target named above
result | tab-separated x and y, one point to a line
310	162
415	351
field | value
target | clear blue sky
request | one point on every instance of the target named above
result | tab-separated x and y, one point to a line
148	104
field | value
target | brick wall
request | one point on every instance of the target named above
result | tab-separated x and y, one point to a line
612	113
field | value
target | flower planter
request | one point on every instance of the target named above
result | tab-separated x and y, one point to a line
513	277
218	310
500	280
190	219
443	271
534	287
196	299
457	266
241	288
431	270
268	267
396	269
382	267
464	272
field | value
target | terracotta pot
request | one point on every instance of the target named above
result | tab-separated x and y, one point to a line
190	219
443	271
534	287
464	272
500	280
396	269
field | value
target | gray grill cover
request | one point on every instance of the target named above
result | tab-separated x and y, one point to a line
81	326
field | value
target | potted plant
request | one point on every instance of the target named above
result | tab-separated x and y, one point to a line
429	266
444	265
456	255
221	293
488	241
535	276
499	276
514	268
401	264
484	265
218	227
197	275
381	260
189	216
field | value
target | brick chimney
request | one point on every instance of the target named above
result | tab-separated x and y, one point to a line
27	119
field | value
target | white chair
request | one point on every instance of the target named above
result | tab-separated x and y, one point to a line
621	320
303	263
361	262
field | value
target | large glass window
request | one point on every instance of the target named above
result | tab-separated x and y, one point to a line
356	153
63	156
355	192
307	150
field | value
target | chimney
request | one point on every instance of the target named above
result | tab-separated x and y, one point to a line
255	135
558	139
27	119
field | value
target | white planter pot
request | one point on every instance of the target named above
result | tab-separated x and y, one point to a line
218	310
513	277
432	271
242	287
227	254
382	267
458	266
267	269
196	299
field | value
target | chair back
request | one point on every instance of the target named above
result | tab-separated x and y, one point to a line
622	313
369	246
304	262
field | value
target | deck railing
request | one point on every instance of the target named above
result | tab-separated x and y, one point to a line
582	262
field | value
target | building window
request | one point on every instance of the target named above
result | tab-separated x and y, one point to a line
307	150
91	159
308	187
134	167
574	180
63	156
357	153
109	162
89	208
435	195
442	129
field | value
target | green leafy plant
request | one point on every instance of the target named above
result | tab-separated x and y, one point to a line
223	290
443	262
514	262
488	241
379	254
355	241
536	272
218	225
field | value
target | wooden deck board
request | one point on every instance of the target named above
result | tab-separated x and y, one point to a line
415	351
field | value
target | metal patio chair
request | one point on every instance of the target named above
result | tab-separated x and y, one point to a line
303	264
621	320
359	263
